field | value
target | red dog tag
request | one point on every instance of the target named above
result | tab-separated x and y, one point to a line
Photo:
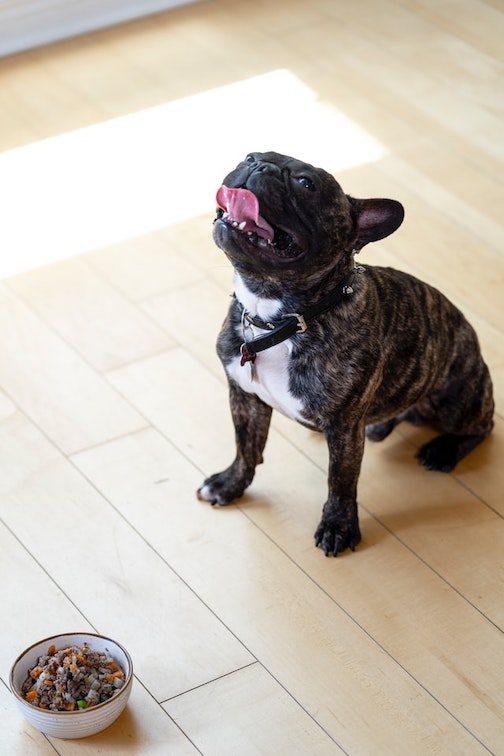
246	356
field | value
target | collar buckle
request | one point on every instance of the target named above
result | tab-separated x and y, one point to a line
302	324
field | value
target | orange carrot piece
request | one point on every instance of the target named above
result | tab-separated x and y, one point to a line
32	695
114	676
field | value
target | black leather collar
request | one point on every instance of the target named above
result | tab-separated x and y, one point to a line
292	322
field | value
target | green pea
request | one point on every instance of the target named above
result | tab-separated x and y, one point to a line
82	704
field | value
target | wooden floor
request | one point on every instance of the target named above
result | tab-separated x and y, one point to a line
113	407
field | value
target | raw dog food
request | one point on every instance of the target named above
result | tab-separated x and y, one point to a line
72	679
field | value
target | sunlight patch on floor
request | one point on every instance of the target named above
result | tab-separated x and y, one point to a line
132	175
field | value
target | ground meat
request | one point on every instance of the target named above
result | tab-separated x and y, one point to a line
72	678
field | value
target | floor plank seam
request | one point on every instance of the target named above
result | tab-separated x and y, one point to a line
209	681
166	713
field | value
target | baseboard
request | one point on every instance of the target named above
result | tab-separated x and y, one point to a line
25	24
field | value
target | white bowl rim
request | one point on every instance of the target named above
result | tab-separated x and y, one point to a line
53	638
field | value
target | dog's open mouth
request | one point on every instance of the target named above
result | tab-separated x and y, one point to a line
239	208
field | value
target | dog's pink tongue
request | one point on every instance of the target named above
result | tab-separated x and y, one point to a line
242	207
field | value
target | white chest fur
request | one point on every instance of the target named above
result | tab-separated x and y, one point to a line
269	378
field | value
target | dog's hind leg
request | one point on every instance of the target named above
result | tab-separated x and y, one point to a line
379	431
464	410
445	451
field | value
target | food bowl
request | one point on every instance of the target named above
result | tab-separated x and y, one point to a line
77	723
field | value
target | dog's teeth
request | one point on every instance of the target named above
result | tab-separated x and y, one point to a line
242	225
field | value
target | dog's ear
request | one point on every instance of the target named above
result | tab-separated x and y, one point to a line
374	219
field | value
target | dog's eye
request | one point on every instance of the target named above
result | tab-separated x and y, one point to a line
307	183
250	159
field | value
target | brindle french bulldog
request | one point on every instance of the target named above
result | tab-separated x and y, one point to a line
344	350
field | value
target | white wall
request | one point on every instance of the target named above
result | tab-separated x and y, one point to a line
30	23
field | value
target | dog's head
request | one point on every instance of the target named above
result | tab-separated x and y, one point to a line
278	216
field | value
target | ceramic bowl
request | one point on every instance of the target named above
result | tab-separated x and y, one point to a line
72	724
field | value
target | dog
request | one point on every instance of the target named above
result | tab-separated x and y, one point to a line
344	350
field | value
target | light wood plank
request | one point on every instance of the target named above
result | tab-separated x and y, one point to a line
41	609
19	737
44	104
471	471
54	386
88	313
419	101
193	241
145	267
7	408
482	226
248	713
479	23
370	54
143	729
175	312
194	393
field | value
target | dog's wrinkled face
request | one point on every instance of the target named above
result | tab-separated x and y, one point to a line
276	214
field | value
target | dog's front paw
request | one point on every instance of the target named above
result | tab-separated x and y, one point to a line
222	488
338	529
214	492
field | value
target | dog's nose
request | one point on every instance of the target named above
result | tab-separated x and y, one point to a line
263	167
